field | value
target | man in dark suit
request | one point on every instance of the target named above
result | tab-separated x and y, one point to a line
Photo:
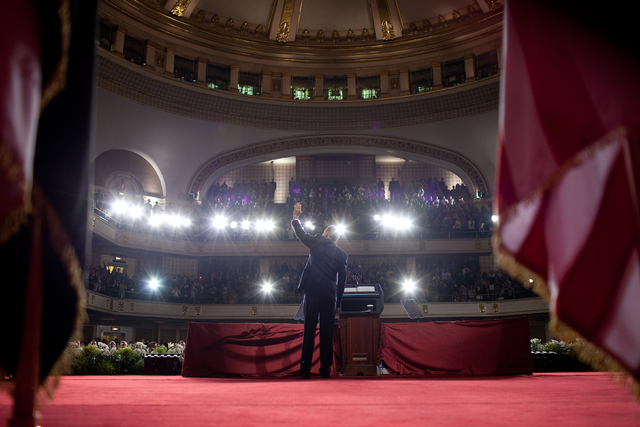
322	284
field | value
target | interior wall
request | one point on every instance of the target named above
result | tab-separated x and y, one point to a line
180	145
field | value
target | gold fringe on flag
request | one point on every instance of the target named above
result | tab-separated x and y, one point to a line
586	351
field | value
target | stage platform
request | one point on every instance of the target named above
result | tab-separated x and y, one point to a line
571	399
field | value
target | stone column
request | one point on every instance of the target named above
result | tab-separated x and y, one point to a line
266	83
276	85
470	67
233	78
201	69
286	85
319	87
150	54
384	84
169	62
118	40
351	86
404	82
437	75
394	83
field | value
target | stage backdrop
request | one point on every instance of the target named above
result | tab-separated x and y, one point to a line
424	348
248	349
475	347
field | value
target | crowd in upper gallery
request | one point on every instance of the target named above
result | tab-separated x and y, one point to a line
443	278
422	208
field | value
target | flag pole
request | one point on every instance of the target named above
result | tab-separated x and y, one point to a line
28	374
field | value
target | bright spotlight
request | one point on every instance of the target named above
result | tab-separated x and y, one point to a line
185	222
308	224
234	224
264	225
403	224
342	229
155	220
377	218
494	218
135	212
119	207
219	221
267	287
245	225
153	283
174	220
409	285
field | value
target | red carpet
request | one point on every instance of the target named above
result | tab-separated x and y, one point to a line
568	399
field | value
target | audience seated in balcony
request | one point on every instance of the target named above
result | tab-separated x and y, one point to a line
437	279
426	202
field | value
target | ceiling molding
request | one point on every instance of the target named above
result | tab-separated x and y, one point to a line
145	87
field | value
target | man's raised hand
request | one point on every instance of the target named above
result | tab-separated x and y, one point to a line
297	210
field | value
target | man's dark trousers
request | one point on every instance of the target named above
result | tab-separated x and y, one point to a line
326	310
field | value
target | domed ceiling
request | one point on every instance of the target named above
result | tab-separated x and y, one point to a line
284	43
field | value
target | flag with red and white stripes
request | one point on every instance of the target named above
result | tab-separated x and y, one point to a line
567	172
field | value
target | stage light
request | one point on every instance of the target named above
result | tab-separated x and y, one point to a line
403	224
119	207
267	287
377	218
153	284
409	285
245	225
234	225
219	222
135	212
155	220
308	224
494	218
185	222
264	225
342	229
388	220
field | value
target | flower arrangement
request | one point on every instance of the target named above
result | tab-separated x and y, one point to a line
100	359
175	348
565	355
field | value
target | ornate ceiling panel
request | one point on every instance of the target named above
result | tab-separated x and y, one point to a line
254	12
329	15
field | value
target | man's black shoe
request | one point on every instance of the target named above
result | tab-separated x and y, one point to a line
325	375
305	375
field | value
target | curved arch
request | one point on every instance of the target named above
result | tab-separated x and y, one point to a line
138	164
412	150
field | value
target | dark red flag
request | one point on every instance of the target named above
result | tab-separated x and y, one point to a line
566	182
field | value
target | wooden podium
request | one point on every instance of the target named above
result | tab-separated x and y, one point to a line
360	329
359	337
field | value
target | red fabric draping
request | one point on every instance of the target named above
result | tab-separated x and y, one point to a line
46	81
478	347
248	349
464	347
20	85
